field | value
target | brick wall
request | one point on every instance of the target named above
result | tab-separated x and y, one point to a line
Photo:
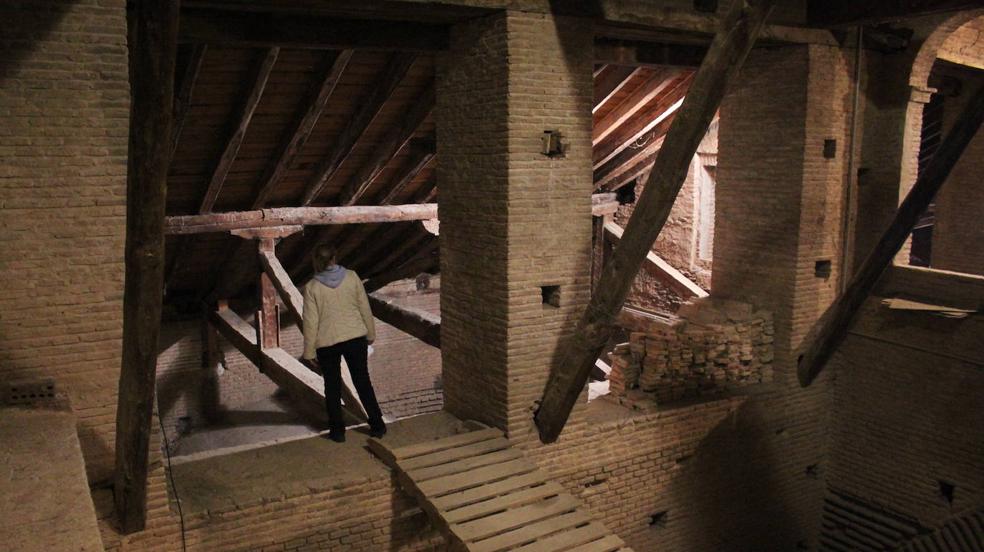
966	44
512	220
958	235
64	108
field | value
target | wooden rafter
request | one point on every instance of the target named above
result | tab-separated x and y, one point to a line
838	318
152	35
609	81
422	152
394	141
427	260
182	96
289	30
243	118
630	163
369	107
724	59
631	130
420	324
649	91
304	122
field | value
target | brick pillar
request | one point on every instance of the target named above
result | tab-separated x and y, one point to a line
779	194
515	224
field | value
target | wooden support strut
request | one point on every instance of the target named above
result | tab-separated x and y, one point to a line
152	28
724	59
420	324
838	318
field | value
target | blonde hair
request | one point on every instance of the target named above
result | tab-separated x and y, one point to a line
323	256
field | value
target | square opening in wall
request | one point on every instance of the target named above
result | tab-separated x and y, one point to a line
550	295
658	520
822	268
829	148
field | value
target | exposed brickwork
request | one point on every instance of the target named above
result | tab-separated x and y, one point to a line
64	112
966	44
707	350
529	215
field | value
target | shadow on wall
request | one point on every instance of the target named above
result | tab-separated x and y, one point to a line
31	31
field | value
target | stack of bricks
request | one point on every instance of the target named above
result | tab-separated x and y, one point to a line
712	346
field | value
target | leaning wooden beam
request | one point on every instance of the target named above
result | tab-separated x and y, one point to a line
838	318
235	139
665	272
420	324
292	216
289	294
722	63
383	153
299	132
290	30
152	28
306	389
368	108
182	97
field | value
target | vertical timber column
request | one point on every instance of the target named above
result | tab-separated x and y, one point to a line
152	27
268	317
515	224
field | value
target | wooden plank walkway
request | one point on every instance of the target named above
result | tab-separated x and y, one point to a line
486	496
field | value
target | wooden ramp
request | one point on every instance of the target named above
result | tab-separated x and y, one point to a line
488	497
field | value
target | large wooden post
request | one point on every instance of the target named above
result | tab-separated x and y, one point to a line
268	317
724	58
838	317
152	27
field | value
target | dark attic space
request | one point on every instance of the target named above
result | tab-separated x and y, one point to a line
491	275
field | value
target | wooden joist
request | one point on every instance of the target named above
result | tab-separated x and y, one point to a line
152	36
836	321
242	28
422	152
302	216
651	89
724	59
383	153
420	324
304	123
368	108
609	81
260	76
664	271
305	388
486	496
427	260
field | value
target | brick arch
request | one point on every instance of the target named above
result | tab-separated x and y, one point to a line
928	51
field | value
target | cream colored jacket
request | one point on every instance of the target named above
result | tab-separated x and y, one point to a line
335	315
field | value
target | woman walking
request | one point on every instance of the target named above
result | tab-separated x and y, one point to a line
338	323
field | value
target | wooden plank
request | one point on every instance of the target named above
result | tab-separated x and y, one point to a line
418	323
610	81
669	275
467	497
304	122
291	30
289	294
727	53
589	533
394	141
836	321
626	110
611	543
511	519
245	114
501	503
368	108
152	32
457	453
530	532
433	472
459	482
297	216
420	449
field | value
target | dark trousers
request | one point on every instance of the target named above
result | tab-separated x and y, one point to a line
356	355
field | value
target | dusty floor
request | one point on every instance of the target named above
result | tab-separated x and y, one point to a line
46	505
213	481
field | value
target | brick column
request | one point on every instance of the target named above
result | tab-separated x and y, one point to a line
515	224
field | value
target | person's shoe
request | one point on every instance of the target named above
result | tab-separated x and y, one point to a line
337	436
377	431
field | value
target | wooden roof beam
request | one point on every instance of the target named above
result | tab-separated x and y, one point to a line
394	141
724	60
838	318
420	324
182	96
609	81
368	108
640	98
239	28
303	124
297	216
427	260
422	152
262	72
843	13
